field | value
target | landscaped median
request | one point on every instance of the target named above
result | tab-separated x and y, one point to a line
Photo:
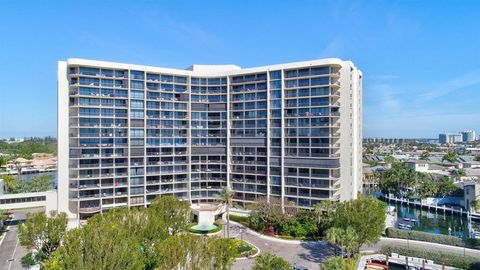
217	229
432	238
459	261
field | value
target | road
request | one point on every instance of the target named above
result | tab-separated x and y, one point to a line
310	253
10	247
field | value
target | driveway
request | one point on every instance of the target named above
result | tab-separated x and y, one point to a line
305	253
10	249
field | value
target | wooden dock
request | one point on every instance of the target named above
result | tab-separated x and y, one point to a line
431	207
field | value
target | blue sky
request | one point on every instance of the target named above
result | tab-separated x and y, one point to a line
420	59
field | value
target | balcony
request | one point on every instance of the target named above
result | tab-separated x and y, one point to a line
92	209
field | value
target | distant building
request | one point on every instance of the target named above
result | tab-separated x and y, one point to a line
468	136
446	138
418	165
471	193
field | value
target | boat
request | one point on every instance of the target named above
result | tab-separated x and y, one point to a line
376	266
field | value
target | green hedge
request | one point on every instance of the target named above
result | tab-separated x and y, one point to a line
239	219
432	237
424	236
449	259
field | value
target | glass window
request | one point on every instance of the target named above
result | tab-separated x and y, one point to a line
180	79
276	94
89	81
107	72
275	75
136	84
303	72
89	71
136	104
275	84
303	92
153	77
167	78
320	80
291	74
322	91
136	94
137	74
320	70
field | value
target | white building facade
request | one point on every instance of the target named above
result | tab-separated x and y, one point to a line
129	133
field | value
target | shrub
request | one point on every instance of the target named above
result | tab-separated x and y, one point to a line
473	243
28	260
337	263
268	261
449	259
240	219
424	236
243	248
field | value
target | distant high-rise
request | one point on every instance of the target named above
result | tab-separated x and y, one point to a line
468	136
444	138
129	133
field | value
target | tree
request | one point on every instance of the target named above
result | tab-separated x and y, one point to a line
398	179
476	206
147	228
425	155
346	239
426	187
324	214
445	186
171	212
225	197
43	234
450	156
188	251
3	217
390	160
477	158
3	161
268	261
366	215
269	212
11	184
457	174
333	236
334	263
100	244
40	183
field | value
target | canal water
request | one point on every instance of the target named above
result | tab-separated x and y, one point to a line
29	176
438	223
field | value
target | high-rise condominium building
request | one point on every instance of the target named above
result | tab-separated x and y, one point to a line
468	136
129	133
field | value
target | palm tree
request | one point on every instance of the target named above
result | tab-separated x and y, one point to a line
349	240
10	183
225	197
334	237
